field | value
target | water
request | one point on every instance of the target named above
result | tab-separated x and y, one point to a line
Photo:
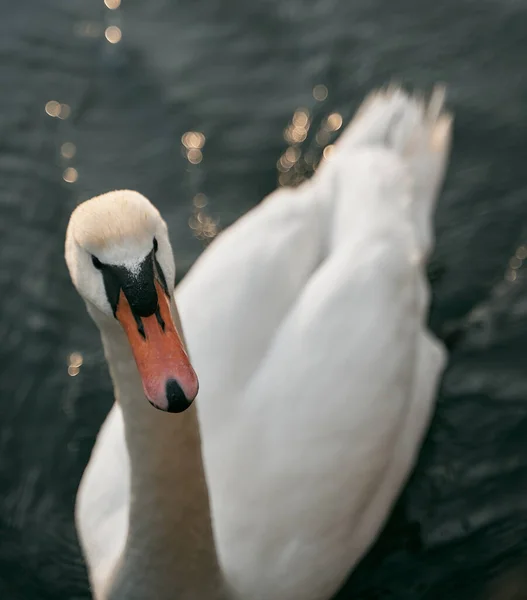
237	72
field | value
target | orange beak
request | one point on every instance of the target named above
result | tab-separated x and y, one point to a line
169	381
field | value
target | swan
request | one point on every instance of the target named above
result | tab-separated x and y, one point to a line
306	322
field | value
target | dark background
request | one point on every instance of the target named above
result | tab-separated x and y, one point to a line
237	70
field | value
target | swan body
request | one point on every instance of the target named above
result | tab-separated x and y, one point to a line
306	322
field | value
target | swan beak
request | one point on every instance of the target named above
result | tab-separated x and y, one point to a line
169	381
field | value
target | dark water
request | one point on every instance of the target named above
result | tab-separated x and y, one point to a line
236	71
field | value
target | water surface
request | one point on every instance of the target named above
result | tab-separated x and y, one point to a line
237	71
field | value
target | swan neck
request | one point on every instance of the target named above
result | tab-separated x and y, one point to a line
170	549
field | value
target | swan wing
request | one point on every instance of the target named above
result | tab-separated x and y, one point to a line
237	293
304	471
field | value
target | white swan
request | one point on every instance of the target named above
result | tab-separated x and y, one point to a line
306	322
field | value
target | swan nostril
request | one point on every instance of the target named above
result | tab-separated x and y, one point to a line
176	400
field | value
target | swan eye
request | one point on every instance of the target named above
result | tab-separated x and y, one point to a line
155	245
96	263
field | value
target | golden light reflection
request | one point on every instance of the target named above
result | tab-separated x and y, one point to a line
112	4
70	175
296	135
301	118
515	263
75	363
280	165
113	34
292	154
203	226
320	92
300	160
283	164
334	122
328	151
52	108
194	156
76	359
193	139
297	131
68	150
288	159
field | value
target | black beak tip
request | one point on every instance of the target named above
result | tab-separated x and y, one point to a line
176	400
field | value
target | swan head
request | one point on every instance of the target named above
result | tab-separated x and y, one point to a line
120	261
